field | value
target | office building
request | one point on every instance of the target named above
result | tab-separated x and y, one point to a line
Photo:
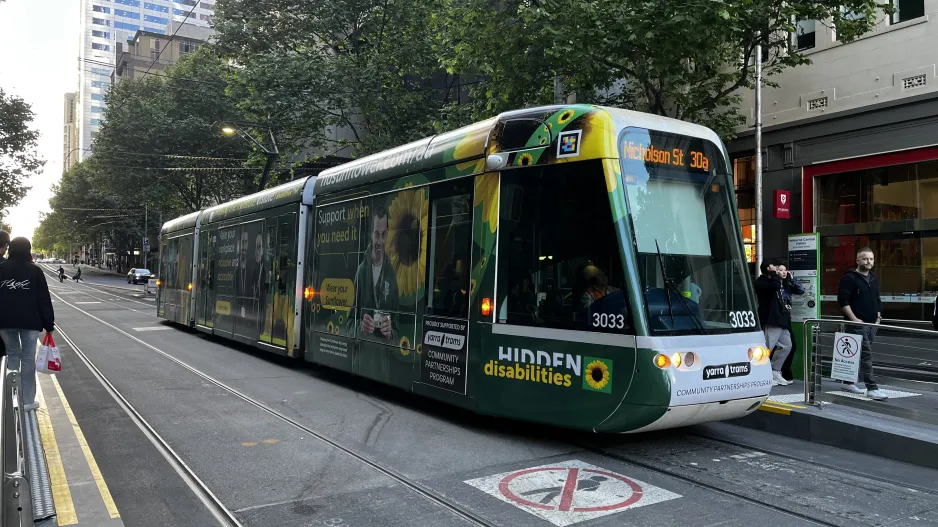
70	132
853	140
149	52
104	24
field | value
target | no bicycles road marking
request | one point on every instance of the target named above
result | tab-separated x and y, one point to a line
570	492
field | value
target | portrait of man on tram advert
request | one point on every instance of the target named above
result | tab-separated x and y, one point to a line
376	281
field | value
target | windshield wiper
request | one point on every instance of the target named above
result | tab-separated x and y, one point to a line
671	287
667	291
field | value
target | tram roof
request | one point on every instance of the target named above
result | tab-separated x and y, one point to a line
188	221
476	140
292	192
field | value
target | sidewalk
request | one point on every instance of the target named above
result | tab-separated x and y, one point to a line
904	427
78	489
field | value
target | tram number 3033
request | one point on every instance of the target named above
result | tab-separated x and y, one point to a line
742	319
606	320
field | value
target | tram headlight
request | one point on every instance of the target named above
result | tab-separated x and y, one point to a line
662	361
676	360
308	293
690	359
758	353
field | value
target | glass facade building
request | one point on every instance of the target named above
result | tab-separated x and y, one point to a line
103	24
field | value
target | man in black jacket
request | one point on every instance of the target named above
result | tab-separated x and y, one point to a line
773	289
25	310
4	243
858	297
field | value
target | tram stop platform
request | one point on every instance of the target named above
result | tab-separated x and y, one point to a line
904	427
67	486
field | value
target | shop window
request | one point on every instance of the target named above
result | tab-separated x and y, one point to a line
744	178
907	10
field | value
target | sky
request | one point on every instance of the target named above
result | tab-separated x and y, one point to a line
39	62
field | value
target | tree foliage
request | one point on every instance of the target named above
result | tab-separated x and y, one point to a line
159	150
315	67
679	58
18	157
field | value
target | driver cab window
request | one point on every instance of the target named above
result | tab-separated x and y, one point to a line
558	257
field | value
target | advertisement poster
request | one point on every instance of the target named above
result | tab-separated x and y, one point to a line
445	353
804	264
250	279
369	262
226	265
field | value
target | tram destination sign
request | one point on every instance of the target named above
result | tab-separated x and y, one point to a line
445	353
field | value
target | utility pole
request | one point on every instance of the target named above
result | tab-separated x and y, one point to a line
558	89
145	246
758	157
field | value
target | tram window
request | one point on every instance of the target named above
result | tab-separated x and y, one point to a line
558	259
451	236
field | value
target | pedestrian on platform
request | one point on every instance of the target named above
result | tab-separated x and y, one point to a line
858	297
25	310
934	315
786	367
774	289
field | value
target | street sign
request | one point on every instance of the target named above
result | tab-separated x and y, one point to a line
569	492
146	245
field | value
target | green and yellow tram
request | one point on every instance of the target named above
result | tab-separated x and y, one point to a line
573	265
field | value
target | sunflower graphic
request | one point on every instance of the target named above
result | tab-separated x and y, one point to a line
405	346
487	196
525	159
565	117
420	349
407	239
598	375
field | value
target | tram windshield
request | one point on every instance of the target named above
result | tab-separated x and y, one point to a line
690	261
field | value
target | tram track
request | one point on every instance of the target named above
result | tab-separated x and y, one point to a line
202	491
630	460
440	500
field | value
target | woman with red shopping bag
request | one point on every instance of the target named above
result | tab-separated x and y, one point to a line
25	310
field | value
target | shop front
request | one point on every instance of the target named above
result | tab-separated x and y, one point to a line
888	202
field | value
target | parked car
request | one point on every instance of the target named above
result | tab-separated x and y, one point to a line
139	276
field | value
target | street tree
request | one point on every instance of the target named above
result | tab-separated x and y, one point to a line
18	142
318	69
162	137
677	58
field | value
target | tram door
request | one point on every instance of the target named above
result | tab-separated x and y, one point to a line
249	280
205	291
444	330
283	284
270	282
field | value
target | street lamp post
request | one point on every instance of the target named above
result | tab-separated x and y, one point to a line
231	128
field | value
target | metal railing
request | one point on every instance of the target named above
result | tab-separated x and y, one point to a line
17	507
814	366
26	495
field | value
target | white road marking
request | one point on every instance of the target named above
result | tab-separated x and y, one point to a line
78	303
153	328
